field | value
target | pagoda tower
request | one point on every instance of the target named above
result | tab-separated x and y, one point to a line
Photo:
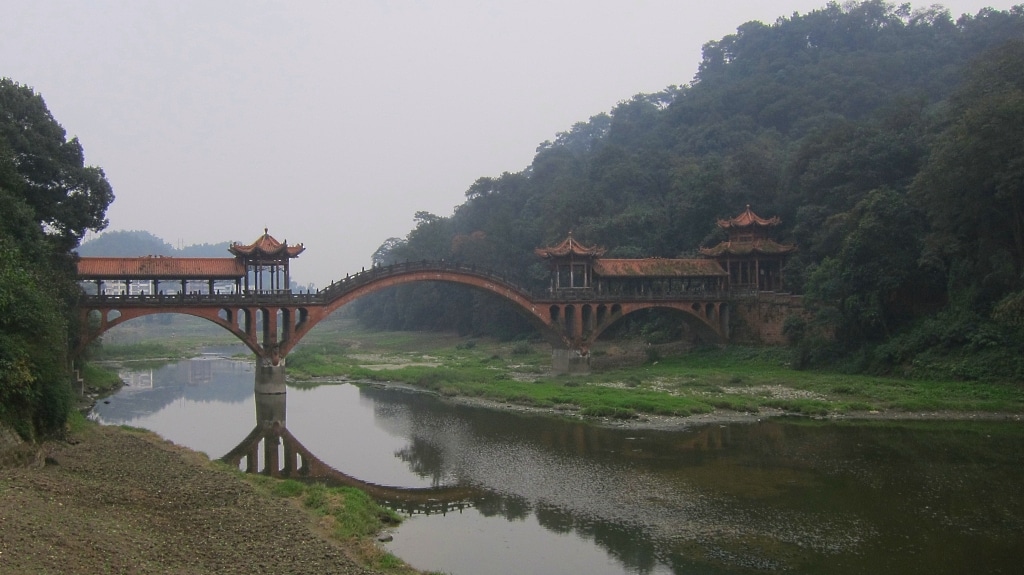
266	262
752	258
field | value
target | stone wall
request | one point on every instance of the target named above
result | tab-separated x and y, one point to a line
760	319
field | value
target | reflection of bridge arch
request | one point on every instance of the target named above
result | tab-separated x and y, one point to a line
284	457
272	323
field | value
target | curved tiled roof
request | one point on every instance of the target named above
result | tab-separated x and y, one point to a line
658	267
266	245
761	246
748	218
570	246
160	267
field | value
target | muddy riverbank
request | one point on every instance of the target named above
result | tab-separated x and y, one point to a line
117	501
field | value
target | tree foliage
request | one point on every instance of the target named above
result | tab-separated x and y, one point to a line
49	199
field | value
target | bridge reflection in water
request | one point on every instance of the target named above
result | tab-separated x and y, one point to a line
270	449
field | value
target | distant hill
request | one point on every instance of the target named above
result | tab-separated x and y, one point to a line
137	243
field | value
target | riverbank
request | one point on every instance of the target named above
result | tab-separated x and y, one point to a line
714	417
111	500
634	384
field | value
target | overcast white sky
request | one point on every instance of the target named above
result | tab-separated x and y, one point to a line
333	122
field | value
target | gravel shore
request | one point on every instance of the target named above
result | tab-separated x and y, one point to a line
116	501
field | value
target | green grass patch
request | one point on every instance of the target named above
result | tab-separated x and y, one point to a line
99	378
143	351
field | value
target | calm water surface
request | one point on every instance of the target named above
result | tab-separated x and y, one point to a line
550	496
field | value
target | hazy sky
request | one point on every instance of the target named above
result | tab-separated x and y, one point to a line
333	122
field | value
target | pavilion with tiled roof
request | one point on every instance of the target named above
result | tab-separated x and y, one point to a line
571	263
752	259
576	266
267	261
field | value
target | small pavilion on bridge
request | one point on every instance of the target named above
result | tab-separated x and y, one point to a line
752	259
265	260
577	268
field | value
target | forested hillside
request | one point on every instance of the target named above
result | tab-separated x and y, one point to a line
138	243
889	141
49	198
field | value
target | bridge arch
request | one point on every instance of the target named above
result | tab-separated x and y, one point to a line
222	317
709	320
345	292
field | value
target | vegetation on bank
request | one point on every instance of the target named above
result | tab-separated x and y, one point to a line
739	379
346	514
49	199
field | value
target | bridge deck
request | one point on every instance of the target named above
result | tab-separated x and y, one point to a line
348	284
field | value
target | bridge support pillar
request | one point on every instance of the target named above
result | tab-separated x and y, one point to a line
271	409
270	379
569	360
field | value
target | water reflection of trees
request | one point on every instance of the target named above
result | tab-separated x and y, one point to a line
424	459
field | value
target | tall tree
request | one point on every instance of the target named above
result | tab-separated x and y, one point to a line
49	199
973	183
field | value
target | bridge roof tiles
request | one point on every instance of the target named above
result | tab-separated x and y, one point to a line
761	246
658	267
267	246
569	246
160	267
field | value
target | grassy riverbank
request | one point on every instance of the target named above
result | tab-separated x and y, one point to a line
630	380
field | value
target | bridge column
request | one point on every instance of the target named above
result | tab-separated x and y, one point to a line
567	360
270	380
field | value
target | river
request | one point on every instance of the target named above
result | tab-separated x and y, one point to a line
503	492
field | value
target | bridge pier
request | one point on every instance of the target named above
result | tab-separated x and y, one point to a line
270	379
570	361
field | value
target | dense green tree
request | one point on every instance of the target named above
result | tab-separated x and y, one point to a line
49	199
874	279
973	183
67	197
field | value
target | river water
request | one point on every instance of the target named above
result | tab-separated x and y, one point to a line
500	492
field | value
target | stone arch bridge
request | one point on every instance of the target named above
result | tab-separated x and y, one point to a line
272	322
